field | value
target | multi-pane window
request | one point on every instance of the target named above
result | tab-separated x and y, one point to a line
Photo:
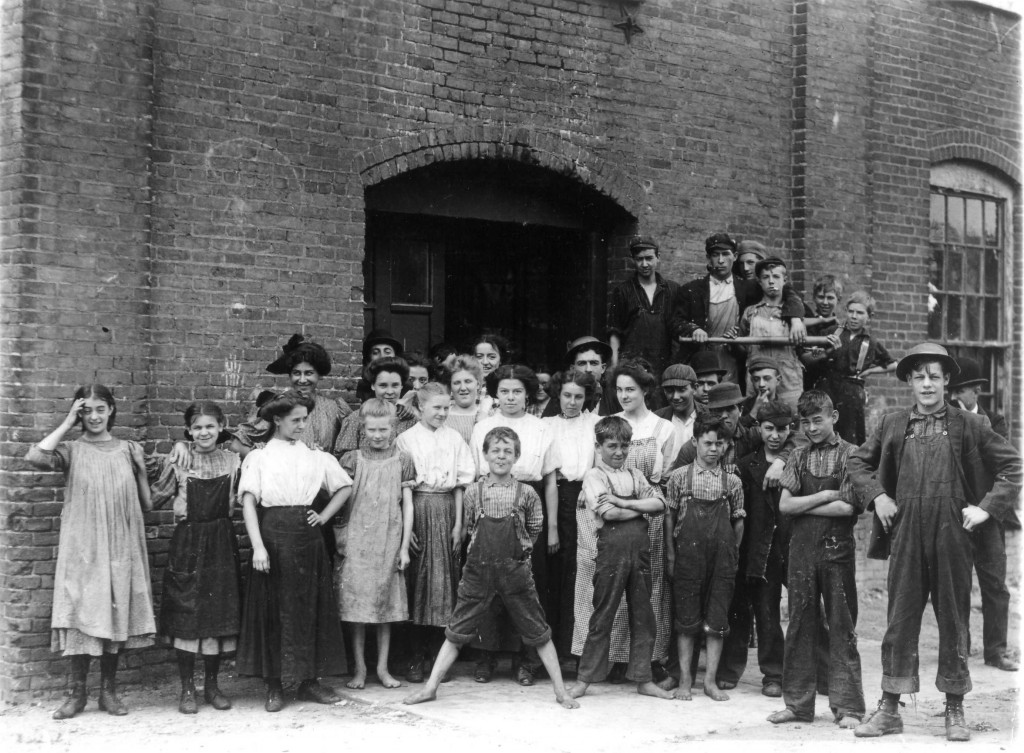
966	309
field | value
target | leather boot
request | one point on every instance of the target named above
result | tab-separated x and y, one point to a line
77	693
187	672
109	701
211	690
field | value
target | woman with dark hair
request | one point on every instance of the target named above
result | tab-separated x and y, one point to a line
490	351
387	376
513	388
290	625
573	428
378	344
651	453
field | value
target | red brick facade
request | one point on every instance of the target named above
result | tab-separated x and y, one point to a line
183	182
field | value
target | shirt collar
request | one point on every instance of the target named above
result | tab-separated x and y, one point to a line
718	283
605	467
716	471
509	481
916	415
827	443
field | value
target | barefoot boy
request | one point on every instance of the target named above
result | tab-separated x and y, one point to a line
503	519
705	514
618	499
818	494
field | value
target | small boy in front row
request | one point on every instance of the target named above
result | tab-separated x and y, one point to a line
503	518
705	515
819	495
618	498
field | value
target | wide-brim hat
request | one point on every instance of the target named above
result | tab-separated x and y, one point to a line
926	352
377	337
306	350
678	375
724	395
707	362
588	342
970	373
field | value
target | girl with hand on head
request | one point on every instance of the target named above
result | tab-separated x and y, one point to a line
201	605
373	540
102	598
290	626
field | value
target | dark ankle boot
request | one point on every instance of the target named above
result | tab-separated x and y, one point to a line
187	672
77	693
109	701
211	690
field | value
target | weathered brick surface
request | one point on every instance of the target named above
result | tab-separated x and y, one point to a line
183	182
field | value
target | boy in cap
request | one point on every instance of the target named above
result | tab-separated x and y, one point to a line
763	373
640	310
989	539
821	580
767	318
762	563
678	382
708	367
713	305
945	473
748	254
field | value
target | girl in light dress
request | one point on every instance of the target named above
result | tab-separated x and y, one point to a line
102	598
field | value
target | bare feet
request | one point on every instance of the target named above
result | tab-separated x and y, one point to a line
714	693
682	694
669	683
649	688
420	696
386	679
568	700
358	681
783	717
578	689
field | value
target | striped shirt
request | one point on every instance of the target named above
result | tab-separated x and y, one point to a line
500	501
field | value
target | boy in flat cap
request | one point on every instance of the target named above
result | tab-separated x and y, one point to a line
712	306
932	474
640	310
678	383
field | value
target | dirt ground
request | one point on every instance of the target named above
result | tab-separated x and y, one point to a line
502	716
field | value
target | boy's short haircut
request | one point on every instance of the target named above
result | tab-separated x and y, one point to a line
377	408
430	390
813	402
706	422
613	427
776	412
769	264
865	300
502	434
826	283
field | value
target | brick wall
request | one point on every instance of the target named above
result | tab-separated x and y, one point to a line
183	181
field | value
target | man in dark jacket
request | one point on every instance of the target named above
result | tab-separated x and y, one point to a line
932	474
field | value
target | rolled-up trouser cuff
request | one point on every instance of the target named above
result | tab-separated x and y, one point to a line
901	685
721	633
539	640
961	686
695	628
459	639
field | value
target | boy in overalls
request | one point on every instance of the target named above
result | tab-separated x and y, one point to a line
705	514
932	473
618	499
818	494
503	518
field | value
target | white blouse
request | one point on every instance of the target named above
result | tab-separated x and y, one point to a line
574	440
538	455
287	474
442	457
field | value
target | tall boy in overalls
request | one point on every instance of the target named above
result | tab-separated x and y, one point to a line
932	474
818	494
503	518
705	515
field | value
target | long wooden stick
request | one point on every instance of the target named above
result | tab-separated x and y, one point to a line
812	340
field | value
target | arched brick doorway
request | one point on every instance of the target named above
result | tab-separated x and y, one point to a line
460	247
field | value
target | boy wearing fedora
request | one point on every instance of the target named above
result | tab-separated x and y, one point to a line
932	473
989	539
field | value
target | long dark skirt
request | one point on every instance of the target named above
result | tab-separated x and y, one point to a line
290	625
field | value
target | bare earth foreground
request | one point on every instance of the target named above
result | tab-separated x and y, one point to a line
502	716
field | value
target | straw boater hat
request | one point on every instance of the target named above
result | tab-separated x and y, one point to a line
926	352
970	374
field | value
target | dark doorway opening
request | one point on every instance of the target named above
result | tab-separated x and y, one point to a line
458	249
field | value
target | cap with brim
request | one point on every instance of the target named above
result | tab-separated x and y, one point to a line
771	261
719	240
707	362
926	352
763	362
678	375
970	374
378	336
588	342
642	242
724	395
313	353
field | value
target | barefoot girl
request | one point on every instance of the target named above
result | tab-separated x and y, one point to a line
201	604
374	539
102	598
444	465
290	626
465	381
